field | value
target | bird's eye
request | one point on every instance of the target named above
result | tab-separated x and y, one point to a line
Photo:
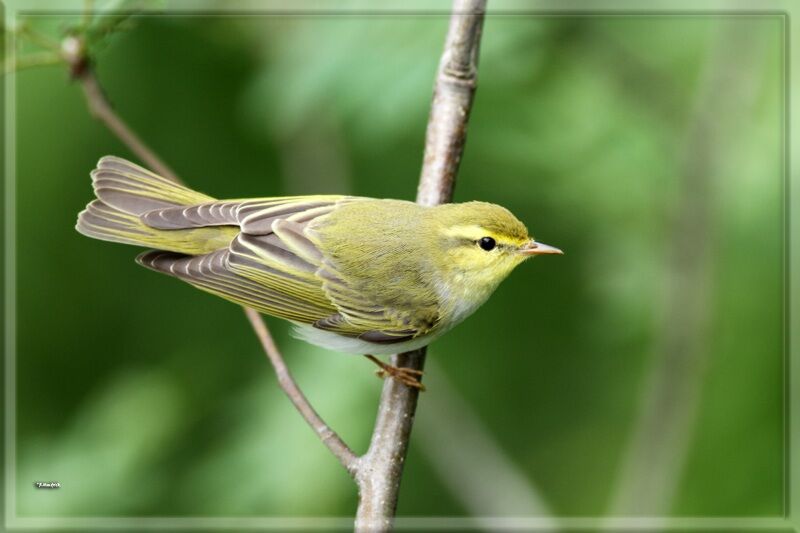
487	243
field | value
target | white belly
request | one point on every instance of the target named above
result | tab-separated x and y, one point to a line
340	343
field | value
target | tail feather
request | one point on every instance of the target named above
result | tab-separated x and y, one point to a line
135	190
101	221
126	191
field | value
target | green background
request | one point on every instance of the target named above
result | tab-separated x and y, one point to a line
648	148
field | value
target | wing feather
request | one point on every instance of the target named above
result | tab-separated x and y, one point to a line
276	266
210	273
260	221
291	233
255	217
195	216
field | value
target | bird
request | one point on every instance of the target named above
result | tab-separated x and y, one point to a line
352	274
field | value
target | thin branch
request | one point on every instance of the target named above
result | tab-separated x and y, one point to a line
73	49
452	102
328	437
100	107
381	468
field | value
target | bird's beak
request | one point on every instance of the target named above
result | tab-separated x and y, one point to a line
537	248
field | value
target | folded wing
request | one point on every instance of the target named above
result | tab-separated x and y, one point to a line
273	267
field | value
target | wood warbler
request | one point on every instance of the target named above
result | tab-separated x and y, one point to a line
352	274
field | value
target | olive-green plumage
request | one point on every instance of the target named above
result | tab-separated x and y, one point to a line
354	274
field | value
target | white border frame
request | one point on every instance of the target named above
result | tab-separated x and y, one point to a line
789	521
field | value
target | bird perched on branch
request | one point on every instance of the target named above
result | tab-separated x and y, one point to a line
352	274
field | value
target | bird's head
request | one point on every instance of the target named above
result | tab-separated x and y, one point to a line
483	243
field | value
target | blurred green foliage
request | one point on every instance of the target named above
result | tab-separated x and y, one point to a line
145	397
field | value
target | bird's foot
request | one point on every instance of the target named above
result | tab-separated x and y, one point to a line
406	376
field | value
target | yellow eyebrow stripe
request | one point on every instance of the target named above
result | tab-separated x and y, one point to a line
475	232
472	233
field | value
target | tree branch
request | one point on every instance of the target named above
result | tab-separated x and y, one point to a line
73	51
328	437
452	102
381	468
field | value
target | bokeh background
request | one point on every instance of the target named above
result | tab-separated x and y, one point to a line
639	374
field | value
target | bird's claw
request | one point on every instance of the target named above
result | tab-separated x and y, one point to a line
407	376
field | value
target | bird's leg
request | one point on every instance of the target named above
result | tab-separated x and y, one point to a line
407	376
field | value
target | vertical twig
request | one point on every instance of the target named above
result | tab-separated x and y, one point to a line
381	468
453	92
